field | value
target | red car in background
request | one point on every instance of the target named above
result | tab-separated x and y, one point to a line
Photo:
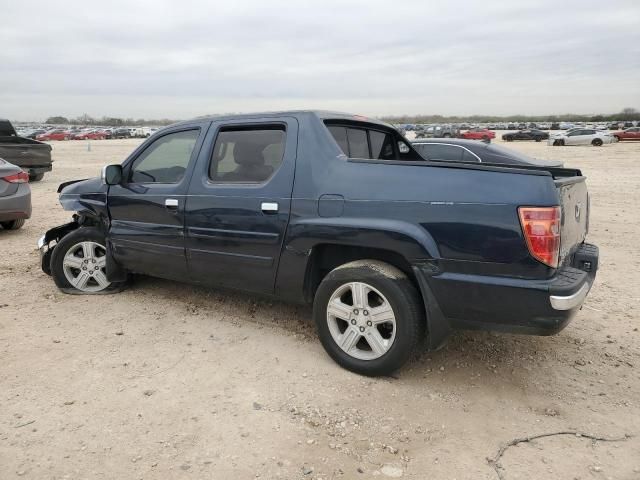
478	134
632	133
57	134
90	135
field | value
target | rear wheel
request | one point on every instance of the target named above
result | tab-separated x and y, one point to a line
596	142
446	135
13	224
78	263
537	139
369	317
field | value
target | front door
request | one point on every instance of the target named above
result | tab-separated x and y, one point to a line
147	208
239	203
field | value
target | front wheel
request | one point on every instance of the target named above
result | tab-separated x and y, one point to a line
78	263
369	317
36	177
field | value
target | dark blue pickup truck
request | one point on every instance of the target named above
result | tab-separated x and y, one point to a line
339	211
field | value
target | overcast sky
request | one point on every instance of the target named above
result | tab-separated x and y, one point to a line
180	59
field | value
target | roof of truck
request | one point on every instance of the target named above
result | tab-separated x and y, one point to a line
322	114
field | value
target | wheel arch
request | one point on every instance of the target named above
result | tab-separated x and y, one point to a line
324	257
319	243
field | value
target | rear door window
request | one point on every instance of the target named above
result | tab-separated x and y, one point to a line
247	154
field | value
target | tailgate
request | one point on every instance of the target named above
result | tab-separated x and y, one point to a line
574	202
26	155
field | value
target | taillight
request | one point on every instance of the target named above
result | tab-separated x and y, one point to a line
541	228
21	177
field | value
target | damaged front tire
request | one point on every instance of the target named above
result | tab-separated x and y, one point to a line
78	263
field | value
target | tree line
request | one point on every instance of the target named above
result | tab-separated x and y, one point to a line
626	115
107	121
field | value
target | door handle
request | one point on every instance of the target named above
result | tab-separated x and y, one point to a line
171	203
269	207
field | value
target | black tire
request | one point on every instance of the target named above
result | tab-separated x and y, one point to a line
36	177
446	135
538	139
509	139
596	142
401	295
13	224
82	234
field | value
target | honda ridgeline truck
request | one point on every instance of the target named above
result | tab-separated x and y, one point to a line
339	211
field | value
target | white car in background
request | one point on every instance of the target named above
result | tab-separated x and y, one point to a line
581	136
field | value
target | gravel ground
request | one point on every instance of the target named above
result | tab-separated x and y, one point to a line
172	381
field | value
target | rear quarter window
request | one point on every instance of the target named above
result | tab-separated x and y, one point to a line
363	141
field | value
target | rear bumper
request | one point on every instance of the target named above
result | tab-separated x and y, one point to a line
539	307
569	302
16	206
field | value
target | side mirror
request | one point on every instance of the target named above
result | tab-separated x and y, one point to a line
111	174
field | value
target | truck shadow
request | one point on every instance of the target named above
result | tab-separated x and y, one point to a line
467	352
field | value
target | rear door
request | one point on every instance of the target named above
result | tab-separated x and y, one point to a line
239	203
147	208
576	137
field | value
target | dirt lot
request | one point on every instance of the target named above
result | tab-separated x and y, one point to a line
172	381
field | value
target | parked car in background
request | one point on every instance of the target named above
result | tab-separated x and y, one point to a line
537	135
15	196
338	211
90	135
121	133
478	134
32	156
632	133
56	134
148	131
470	151
32	134
439	131
581	136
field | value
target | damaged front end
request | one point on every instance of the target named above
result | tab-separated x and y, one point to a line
88	198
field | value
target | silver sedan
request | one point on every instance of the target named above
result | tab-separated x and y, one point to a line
15	196
581	136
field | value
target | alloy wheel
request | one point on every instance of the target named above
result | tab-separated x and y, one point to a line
84	266
361	321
